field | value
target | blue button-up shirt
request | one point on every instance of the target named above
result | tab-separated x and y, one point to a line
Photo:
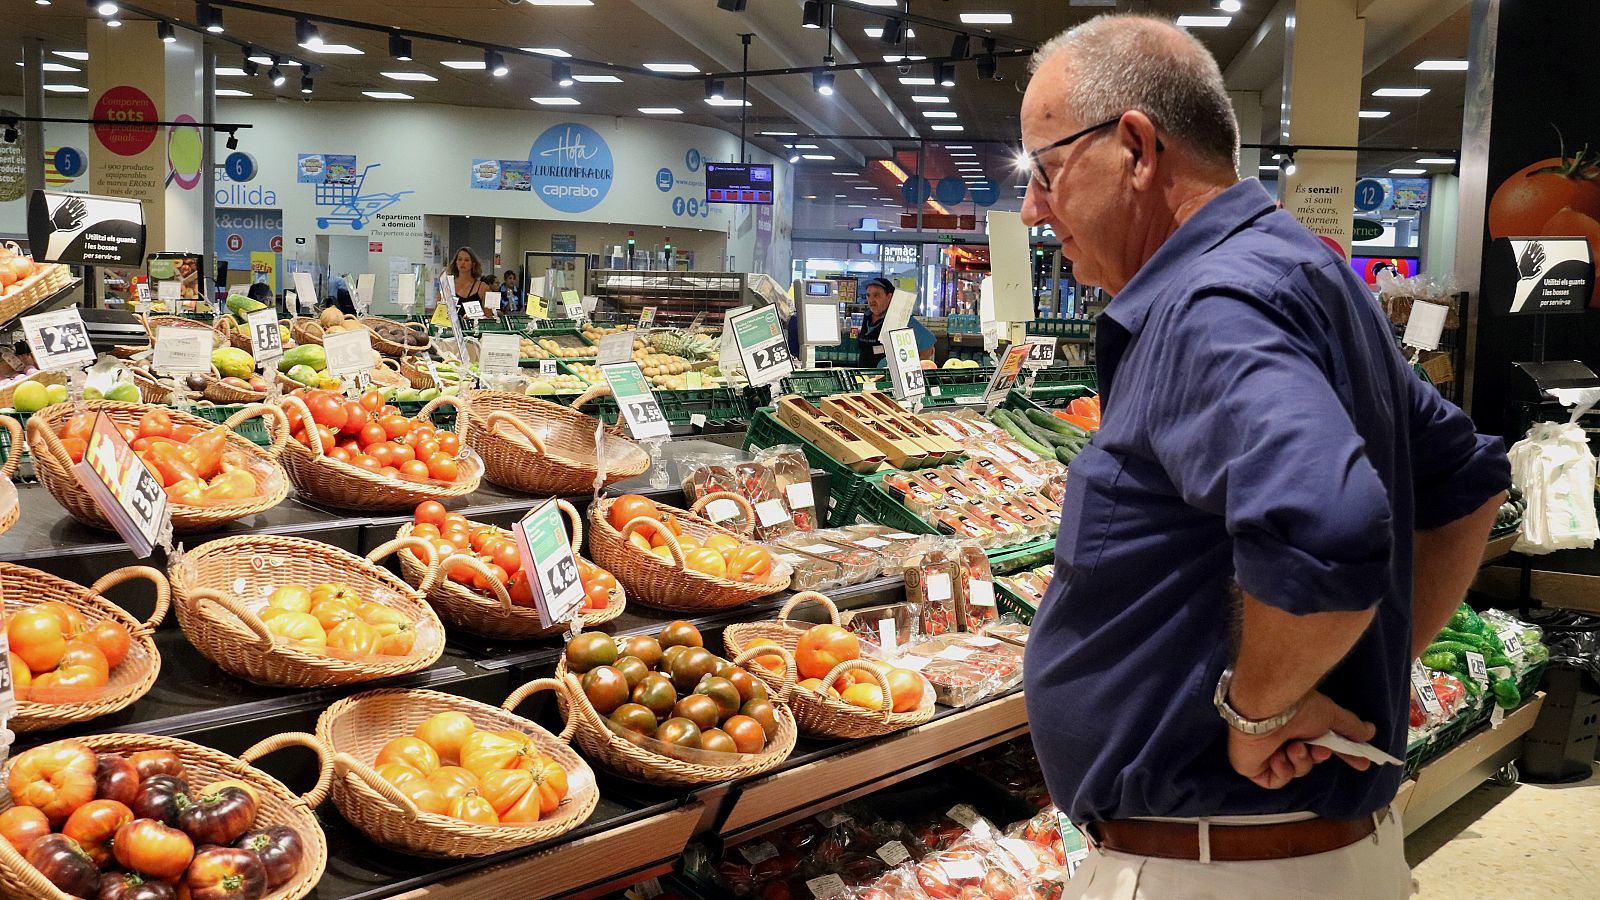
1260	429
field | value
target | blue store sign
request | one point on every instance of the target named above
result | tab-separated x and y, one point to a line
664	180
692	159
985	192
240	166
572	167
70	162
950	190
1370	194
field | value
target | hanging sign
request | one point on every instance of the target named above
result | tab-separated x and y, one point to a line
266	339
1543	275
349	352
547	553
763	345
86	230
1041	351
58	339
636	401
905	365
129	495
182	351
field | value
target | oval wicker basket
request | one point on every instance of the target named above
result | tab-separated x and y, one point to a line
357	728
23	587
54	466
278	805
415	370
497	617
210	584
151	390
322	478
656	582
395	348
539	447
815	713
305	330
631	760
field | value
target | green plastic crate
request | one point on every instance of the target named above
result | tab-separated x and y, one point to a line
252	430
443	417
950	386
843	482
812	384
1058	376
1012	602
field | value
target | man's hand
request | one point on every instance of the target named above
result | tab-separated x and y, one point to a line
1273	760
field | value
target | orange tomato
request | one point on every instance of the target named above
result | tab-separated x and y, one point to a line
772	662
371	400
395	427
400	774
36	638
708	562
401	453
334	590
628	507
68	684
452	781
822	647
749	562
85	653
505	788
55	778
449	443
301	631
507	556
75	448
446	732
22	825
415	471
331	612
21	676
292	597
443	467
722	543
355	637
471	807
410	751
398	642
906	689
431	512
372	434
426	797
72	622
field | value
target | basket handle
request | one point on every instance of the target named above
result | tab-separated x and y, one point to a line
385	362
42	437
426	413
412	543
790	676
544	684
128	573
277	423
233	605
308	421
345	764
745	509
319	791
863	666
14	450
439	573
575	520
501	417
814	597
658	528
418	326
592	392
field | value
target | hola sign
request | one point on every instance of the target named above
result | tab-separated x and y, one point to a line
571	167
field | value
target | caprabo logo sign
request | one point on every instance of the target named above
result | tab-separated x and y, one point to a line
572	168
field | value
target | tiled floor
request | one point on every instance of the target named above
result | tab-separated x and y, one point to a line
1531	840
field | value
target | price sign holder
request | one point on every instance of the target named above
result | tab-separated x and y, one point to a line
182	351
571	305
615	348
547	552
698	323
647	317
472	309
547	368
763	345
59	340
349	352
266	340
1041	351
131	498
1422	686
636	401
499	355
447	299
905	365
141	291
365	285
1006	374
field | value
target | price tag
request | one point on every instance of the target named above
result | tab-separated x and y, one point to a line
636	401
903	536
571	306
1511	639
871	543
954	653
1021	852
905	365
763	345
498	354
491	300
963	815
1041	351
169	292
182	351
770	513
472	309
912	662
547	368
8	690
757	853
1422	686
349	352
266	340
1477	668
887	638
141	292
937	587
1005	375
893	853
58	339
826	887
962	869
698	420
615	348
721	510
130	496
647	317
547	552
800	495
820	549
980	592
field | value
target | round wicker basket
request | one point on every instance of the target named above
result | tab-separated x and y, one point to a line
358	727
388	347
538	447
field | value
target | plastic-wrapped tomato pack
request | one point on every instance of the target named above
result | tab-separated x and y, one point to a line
777	483
1027	860
931	584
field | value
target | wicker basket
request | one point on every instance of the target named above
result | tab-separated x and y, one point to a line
54	466
210	582
327	480
228	395
497	617
815	713
538	447
630	760
153	323
358	727
391	348
151	390
7	394
415	370
387	374
656	582
278	805
303	330
131	679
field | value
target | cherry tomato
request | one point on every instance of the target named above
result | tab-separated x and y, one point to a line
414	470
372	433
506	555
371	400
431	512
389	472
449	443
443	467
383	452
425	448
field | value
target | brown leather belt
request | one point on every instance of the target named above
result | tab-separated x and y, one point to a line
1231	843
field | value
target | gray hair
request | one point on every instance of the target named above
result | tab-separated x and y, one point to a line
1124	62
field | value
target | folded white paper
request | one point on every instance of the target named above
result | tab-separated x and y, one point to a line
1339	744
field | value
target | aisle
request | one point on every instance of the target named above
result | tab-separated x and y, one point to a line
1531	840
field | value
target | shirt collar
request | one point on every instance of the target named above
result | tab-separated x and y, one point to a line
1224	214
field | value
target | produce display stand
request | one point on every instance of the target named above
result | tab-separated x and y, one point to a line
1484	754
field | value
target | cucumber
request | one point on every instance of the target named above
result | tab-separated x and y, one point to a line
1022	437
1051	423
1065	456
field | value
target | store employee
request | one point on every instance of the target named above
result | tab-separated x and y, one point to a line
870	341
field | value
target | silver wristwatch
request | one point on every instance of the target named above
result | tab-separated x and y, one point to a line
1240	723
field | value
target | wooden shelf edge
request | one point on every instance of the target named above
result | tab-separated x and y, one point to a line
1500	546
1447	779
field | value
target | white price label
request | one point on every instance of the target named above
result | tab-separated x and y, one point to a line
636	401
902	536
871	543
647	317
547	368
888	639
800	495
826	887
472	309
141	293
758	852
615	348
1422	686
266	339
1041	351
821	548
182	351
981	640
498	354
1477	668
546	551
905	365
954	653
721	510
937	588
698	420
58	339
491	300
912	662
962	869
362	300
963	815
169	291
1511	639
893	853
763	345
1021	852
770	513
349	352
980	592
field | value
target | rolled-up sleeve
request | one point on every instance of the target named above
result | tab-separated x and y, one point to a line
1454	469
1251	429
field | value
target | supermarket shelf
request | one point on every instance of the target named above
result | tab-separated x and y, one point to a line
1452	776
1500	546
56	298
1568	590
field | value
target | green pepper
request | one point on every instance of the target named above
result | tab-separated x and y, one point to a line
1441	661
1506	693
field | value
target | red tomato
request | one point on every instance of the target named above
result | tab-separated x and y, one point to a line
389	472
431	512
395	426
350	446
506	555
426	530
341	454
155	423
496	573
75	448
628	507
449	442
482	535
443	467
383	452
403	453
425	447
371	400
414	470
367	461
422	432
388	409
372	433
326	409
356	416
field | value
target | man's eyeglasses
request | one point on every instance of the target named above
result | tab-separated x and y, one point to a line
1037	167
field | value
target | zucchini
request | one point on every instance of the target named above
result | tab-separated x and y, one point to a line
1051	423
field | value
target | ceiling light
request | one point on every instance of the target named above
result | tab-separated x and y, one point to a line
962	154
939	114
820	157
715	89
306	34
805	146
822	83
113	23
305	84
865	187
1373	114
856	205
930	98
229	71
559	2
1204	21
1408	171
211	16
895	57
597	79
41	2
778	134
400	47
1227	6
66	89
104	9
838	196
793	156
495	63
958	147
811	14
251	68
387	95
917	81
845	174
408	76
164	30
948	128
874	32
336	49
555	101
79	55
233	139
561	74
557	52
276	75
1268	168
1401	92
985	18
727	101
56	67
1442	65
463	64
10	135
232	92
678	68
661	110
1437	161
946	73
265	60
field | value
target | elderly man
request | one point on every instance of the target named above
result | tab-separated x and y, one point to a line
1274	517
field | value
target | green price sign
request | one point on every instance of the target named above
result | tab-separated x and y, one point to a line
547	553
636	401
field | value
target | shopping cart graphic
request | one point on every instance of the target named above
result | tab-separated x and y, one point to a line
351	207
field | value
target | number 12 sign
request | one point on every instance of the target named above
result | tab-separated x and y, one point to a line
547	554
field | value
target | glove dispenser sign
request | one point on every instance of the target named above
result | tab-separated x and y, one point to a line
1543	275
